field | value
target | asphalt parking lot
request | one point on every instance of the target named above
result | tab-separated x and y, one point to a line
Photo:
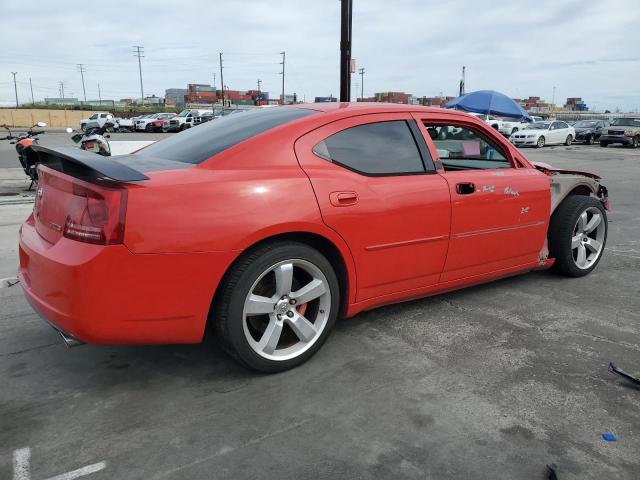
493	382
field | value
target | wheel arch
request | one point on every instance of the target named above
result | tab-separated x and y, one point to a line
330	245
565	186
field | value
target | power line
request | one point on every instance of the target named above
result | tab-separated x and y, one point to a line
15	86
139	52
82	69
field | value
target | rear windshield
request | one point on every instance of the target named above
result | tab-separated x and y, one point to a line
203	141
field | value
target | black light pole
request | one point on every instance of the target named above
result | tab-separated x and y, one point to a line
345	50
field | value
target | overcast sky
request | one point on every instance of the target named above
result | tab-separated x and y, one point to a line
586	48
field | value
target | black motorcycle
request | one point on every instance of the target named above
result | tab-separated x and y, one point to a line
23	142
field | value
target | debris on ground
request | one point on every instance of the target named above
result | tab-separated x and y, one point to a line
622	374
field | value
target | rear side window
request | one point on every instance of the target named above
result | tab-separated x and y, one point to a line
203	141
382	148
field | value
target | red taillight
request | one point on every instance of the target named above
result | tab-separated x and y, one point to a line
96	214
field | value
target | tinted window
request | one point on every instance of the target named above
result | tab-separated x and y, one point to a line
562	125
461	148
382	148
205	140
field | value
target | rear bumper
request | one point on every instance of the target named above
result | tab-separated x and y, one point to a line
108	295
623	139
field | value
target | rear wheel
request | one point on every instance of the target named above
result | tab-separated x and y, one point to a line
635	142
590	140
568	140
540	142
577	235
277	306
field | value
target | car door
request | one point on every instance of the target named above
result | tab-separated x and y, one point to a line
499	208
558	134
377	187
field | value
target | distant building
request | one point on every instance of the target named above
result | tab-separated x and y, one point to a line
434	101
175	96
330	98
576	104
61	101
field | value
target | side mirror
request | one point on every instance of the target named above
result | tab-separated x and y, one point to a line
41	124
69	130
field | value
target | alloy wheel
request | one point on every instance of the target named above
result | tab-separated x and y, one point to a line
286	310
588	238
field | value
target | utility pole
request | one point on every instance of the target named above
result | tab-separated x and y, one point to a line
259	84
214	80
222	83
282	73
346	7
82	69
462	79
553	97
99	95
15	86
361	72
139	52
31	87
61	84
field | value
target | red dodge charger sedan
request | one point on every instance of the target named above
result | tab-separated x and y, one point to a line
268	225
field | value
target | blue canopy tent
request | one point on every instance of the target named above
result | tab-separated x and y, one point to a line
488	102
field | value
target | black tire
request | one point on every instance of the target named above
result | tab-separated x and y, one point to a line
568	140
635	141
183	126
603	144
590	140
148	128
561	230
227	319
540	143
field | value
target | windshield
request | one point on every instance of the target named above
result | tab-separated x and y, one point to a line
197	144
626	122
585	124
184	113
539	126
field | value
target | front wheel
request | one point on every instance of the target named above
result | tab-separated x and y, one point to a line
149	128
634	143
568	140
590	140
277	306
577	235
540	142
603	144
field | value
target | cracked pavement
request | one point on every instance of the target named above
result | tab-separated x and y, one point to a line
495	381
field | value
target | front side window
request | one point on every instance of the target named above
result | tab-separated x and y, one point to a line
381	148
93	117
461	148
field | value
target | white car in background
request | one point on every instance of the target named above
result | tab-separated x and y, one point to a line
144	123
508	127
539	134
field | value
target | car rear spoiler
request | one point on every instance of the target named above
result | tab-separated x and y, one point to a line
82	164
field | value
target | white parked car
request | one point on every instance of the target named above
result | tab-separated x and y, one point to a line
539	134
144	122
508	127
